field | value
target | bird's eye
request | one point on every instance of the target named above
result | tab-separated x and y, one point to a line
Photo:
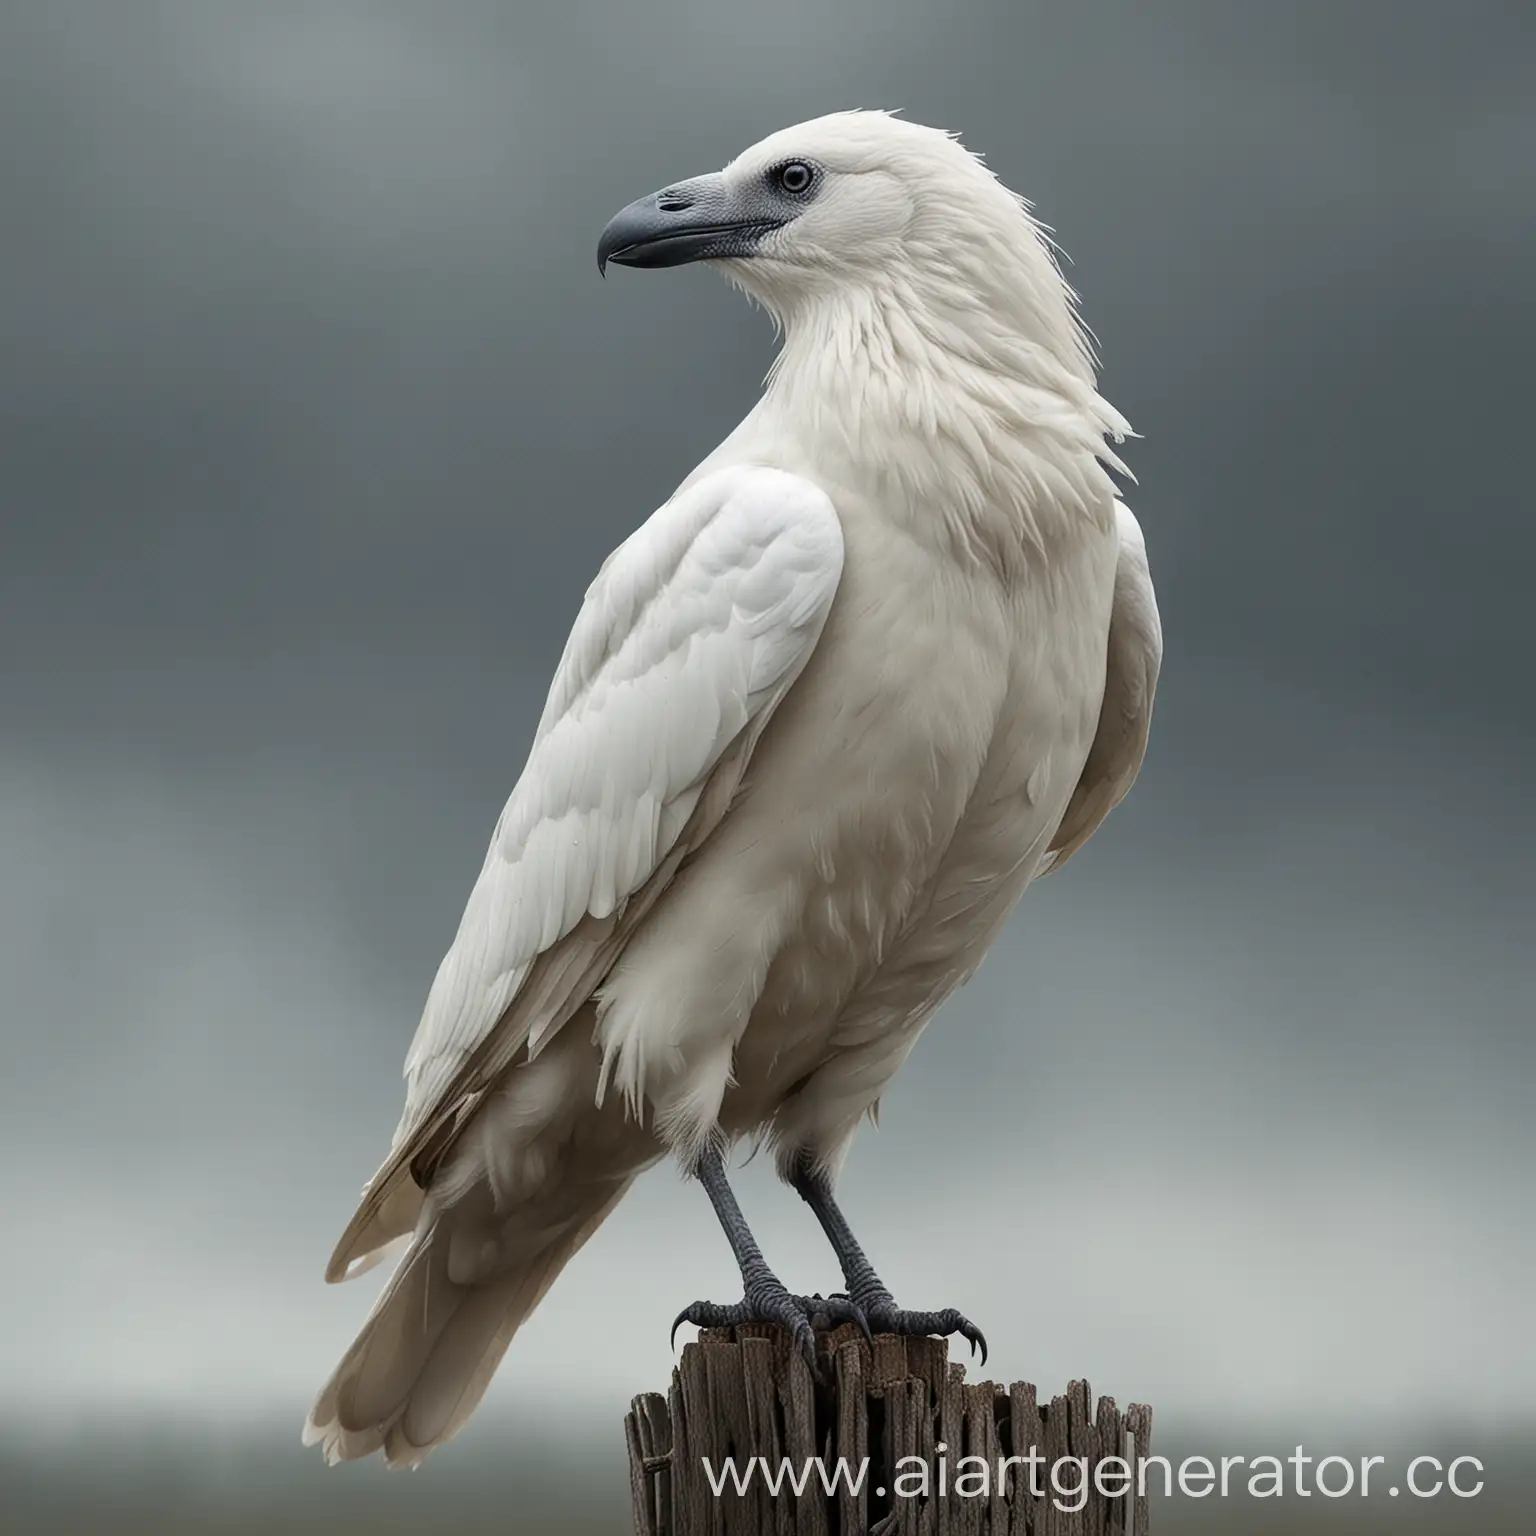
794	177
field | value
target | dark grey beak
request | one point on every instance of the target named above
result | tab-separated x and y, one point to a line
695	220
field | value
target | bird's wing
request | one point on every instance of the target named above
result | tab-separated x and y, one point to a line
694	630
1135	654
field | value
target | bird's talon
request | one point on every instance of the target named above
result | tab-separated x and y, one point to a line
886	1317
770	1302
978	1344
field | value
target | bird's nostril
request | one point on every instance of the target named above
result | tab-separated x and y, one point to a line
673	202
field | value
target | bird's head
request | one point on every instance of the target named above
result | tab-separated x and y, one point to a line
851	203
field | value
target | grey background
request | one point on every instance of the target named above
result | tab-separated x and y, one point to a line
315	420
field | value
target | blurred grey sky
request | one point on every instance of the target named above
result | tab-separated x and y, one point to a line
315	421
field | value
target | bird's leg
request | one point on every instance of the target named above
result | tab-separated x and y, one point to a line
764	1296
865	1288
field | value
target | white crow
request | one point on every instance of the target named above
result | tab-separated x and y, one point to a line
887	655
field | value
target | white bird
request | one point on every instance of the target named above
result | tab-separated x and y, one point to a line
887	655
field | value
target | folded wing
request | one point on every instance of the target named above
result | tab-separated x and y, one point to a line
1135	655
694	630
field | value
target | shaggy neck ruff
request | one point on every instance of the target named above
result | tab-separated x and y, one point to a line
967	398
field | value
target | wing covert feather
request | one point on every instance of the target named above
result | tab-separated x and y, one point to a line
691	634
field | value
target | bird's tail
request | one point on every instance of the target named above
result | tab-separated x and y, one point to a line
423	1359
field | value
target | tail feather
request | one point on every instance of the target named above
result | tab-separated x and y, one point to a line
388	1212
426	1354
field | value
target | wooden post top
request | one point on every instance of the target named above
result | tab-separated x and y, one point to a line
891	1441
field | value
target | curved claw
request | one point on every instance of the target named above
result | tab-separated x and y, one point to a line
708	1314
857	1317
838	1309
789	1312
769	1304
805	1339
976	1339
888	1318
951	1321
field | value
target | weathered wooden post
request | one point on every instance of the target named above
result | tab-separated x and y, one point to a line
939	1456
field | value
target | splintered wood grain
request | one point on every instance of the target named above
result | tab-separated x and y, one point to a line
1023	1439
889	1362
898	1405
1083	1445
797	1392
765	1424
852	1442
743	1514
1138	1423
701	1510
648	1432
900	1442
640	1488
1111	1443
999	1513
950	1520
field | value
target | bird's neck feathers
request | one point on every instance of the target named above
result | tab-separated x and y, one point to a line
988	365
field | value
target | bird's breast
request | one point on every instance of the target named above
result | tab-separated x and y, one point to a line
893	809
925	757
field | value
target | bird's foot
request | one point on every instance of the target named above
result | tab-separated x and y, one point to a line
768	1301
884	1316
